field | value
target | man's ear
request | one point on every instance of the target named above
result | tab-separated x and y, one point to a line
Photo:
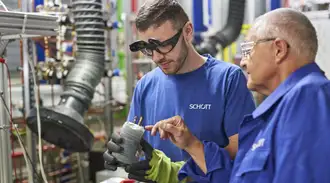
188	32
281	50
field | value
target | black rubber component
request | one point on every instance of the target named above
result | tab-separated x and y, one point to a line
63	127
229	33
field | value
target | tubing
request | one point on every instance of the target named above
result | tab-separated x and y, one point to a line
229	33
63	125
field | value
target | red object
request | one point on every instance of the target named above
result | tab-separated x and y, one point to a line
2	60
128	181
44	148
134	5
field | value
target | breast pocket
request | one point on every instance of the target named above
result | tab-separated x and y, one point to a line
255	167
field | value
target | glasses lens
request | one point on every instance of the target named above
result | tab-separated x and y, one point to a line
138	45
246	48
165	49
147	52
246	53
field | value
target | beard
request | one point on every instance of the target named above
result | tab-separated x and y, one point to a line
175	65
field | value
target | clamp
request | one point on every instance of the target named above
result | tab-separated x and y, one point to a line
4	127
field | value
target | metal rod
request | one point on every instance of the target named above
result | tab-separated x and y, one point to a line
140	121
128	56
80	169
108	114
30	141
6	168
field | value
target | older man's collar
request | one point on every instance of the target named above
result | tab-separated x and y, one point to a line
284	87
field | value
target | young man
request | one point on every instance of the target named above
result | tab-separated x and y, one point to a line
286	139
198	88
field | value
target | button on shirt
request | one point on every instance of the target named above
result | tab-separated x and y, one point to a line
285	140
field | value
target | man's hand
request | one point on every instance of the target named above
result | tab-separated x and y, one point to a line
156	167
175	130
110	162
139	171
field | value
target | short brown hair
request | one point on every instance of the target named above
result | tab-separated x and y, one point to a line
156	12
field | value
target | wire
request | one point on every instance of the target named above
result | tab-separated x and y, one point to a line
9	111
36	94
11	114
3	5
52	91
26	156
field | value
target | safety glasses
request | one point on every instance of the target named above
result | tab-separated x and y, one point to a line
148	48
247	47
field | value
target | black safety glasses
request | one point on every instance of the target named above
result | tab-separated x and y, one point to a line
147	48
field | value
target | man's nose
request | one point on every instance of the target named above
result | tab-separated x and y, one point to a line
156	57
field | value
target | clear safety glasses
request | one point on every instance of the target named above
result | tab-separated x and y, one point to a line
247	47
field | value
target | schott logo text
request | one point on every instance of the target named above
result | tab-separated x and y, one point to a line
200	106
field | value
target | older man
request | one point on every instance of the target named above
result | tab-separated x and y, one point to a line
286	139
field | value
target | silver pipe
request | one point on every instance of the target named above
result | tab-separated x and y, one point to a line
128	56
30	143
6	175
108	112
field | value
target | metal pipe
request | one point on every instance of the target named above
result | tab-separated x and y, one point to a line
30	139
108	112
27	94
128	55
6	175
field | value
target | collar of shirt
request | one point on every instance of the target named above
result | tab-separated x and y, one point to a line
284	87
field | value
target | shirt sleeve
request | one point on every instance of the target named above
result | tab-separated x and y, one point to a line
302	138
135	107
218	164
239	102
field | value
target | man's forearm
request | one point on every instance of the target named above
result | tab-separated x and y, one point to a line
214	163
232	147
196	151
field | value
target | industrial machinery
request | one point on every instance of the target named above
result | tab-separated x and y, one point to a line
214	42
63	125
74	69
16	26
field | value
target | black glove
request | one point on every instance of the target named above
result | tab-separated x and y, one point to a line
156	167
110	162
135	171
138	171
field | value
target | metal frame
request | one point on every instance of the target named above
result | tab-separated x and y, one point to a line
128	58
5	146
6	175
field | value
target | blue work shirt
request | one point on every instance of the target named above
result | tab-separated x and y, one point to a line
285	140
212	100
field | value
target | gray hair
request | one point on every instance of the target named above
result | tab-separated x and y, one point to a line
292	26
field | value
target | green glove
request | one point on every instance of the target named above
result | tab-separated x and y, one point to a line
162	169
156	168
